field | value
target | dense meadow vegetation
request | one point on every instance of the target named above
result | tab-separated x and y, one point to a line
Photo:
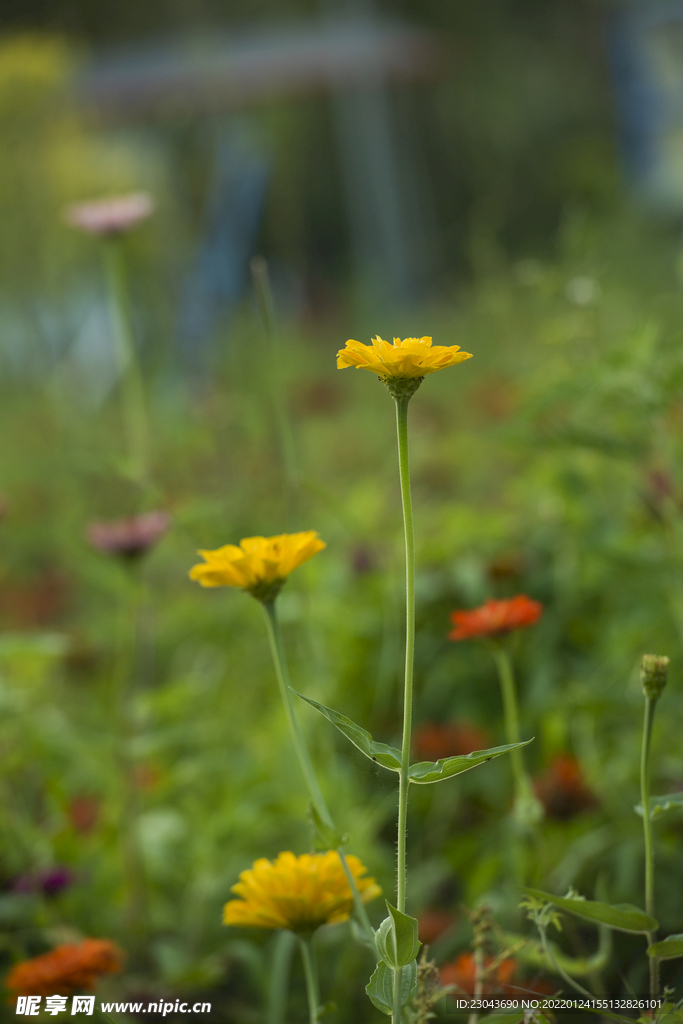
136	705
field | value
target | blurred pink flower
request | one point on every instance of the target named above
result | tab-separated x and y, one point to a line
110	216
131	537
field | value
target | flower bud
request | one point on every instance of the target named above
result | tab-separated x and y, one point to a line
654	670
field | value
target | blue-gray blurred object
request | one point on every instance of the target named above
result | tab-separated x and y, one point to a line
233	212
647	60
354	61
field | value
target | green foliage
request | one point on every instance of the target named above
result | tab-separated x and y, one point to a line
396	938
622	916
388	757
380	988
426	771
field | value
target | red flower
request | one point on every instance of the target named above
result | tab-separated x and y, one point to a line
83	812
495	617
433	741
65	969
431	924
562	789
462	971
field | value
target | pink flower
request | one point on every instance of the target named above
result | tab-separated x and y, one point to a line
110	216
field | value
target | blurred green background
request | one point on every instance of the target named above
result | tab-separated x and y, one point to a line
549	465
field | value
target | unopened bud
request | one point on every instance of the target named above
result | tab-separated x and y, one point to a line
654	670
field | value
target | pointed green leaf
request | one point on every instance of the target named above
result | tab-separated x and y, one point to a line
622	916
380	988
668	949
397	939
381	753
435	771
660	804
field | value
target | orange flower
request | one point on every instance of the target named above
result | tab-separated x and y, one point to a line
433	741
65	969
562	789
495	617
431	924
462	972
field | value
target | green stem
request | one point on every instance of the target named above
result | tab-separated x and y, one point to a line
132	388
404	782
317	799
562	973
282	672
648	719
404	471
279	977
508	692
528	808
311	975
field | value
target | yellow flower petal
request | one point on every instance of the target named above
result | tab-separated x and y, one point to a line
298	893
412	357
259	564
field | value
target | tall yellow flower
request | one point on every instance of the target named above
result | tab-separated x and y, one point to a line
298	893
408	360
260	564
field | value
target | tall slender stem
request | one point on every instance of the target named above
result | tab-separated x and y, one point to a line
409	533
132	388
282	673
648	719
279	977
311	976
404	470
508	692
298	739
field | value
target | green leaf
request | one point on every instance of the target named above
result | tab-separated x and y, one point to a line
622	916
381	753
435	771
380	988
668	949
660	804
396	938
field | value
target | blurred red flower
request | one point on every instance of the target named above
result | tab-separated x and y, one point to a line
461	972
431	924
433	741
562	789
495	617
65	969
83	812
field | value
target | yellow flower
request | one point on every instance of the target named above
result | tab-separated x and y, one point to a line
298	893
405	360
260	564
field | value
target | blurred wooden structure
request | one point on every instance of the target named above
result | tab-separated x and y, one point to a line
354	62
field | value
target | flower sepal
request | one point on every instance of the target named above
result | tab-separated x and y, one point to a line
380	988
396	938
380	753
446	767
